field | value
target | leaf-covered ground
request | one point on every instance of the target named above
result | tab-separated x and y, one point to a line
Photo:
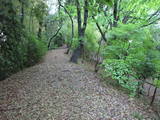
59	90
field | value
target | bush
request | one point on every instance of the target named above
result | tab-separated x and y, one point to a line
35	50
120	71
92	38
130	55
16	57
17	49
12	56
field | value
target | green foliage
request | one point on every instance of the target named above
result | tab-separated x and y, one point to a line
92	38
26	53
66	31
157	71
130	55
119	70
58	41
40	10
12	41
36	49
138	116
17	49
105	2
157	83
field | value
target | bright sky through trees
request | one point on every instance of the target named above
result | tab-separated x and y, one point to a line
52	6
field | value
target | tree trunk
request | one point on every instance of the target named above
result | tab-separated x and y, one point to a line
154	95
50	40
81	30
100	30
115	13
70	45
77	53
40	30
79	50
97	56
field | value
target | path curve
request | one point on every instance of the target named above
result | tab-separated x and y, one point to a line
59	90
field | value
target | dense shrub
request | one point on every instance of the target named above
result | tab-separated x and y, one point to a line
17	49
35	50
120	71
25	53
13	56
130	55
12	40
92	38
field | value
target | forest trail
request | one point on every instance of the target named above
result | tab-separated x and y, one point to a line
59	90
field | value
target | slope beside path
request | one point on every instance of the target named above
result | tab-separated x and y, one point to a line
59	90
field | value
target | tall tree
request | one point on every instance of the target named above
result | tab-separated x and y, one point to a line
81	29
40	11
72	23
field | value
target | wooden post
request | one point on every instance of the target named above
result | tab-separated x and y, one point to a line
154	95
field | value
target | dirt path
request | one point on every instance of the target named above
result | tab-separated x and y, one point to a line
59	90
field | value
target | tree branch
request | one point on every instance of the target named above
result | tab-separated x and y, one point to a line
150	23
49	43
72	22
154	14
100	30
